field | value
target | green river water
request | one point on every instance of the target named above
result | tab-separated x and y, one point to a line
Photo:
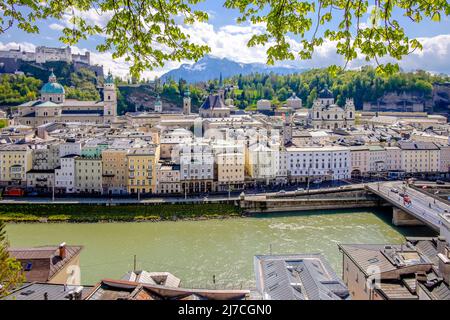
196	250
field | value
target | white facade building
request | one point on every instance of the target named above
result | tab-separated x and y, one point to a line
359	160
196	167
377	159
323	163
65	174
393	158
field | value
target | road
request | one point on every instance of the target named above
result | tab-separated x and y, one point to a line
422	206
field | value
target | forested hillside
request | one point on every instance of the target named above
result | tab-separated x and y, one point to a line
18	89
361	85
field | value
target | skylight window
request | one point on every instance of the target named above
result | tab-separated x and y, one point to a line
28	266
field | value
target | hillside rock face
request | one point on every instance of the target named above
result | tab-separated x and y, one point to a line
441	96
210	68
143	98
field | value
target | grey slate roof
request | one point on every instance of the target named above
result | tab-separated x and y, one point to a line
37	291
298	277
417	145
213	102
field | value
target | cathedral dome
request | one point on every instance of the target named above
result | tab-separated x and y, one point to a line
52	88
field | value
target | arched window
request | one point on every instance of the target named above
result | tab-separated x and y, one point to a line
335	116
351	114
318	115
328	116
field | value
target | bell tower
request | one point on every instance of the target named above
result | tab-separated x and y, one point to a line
109	99
187	103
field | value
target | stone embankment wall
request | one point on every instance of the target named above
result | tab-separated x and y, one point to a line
319	201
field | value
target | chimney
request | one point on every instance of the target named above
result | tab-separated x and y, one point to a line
441	243
62	250
444	265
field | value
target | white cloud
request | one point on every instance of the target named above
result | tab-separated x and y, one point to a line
229	41
26	46
56	26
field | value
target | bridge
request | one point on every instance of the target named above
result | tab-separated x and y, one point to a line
423	207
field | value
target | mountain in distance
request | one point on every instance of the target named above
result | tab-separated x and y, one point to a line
210	67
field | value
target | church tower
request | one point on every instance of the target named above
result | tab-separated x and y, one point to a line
221	90
109	99
350	112
187	102
158	104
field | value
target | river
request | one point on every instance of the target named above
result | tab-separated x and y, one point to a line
196	250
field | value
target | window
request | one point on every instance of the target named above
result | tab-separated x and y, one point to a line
28	266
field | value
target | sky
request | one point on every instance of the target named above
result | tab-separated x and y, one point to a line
227	39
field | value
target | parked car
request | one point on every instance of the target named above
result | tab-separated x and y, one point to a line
281	192
300	189
14	192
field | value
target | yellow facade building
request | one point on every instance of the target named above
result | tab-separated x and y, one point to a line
15	161
420	156
115	171
141	164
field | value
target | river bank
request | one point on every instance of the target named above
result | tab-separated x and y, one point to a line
92	213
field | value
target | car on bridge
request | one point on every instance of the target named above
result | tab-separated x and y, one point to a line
393	190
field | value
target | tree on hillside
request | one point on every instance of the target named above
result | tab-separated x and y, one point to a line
149	33
11	275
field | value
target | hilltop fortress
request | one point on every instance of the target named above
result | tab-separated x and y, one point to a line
44	54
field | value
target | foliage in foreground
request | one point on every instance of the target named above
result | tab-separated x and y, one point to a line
148	33
11	275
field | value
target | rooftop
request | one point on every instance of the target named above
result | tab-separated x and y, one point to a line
42	263
128	290
48	291
298	277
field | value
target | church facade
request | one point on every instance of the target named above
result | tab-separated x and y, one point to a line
325	114
54	107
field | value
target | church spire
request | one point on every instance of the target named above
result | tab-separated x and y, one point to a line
220	81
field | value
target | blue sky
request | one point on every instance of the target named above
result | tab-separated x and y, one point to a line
227	40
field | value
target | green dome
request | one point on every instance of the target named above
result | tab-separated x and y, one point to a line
52	88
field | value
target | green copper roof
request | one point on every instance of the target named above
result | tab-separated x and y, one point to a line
158	101
109	79
52	88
